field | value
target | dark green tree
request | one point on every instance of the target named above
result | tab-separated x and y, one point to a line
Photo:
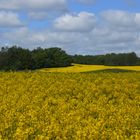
51	57
15	58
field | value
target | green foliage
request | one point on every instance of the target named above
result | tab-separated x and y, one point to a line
122	59
16	58
51	57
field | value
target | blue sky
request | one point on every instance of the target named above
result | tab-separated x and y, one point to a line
77	26
100	5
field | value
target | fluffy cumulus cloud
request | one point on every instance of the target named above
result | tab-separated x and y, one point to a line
81	22
9	19
122	19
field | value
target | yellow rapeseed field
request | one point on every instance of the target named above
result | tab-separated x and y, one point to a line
69	106
87	68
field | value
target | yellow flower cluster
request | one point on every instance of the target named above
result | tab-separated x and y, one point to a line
69	106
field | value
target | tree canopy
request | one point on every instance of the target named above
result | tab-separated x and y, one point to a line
121	59
17	58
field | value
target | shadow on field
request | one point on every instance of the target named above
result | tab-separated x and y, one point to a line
111	71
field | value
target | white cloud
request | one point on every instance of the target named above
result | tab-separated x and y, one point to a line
87	1
119	18
9	19
80	33
36	9
137	19
100	40
81	22
122	20
33	4
24	37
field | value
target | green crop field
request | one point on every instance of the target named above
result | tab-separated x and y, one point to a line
70	106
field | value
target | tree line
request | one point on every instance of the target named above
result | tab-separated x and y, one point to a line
121	59
17	58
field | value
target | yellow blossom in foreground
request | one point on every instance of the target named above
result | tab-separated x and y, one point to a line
69	106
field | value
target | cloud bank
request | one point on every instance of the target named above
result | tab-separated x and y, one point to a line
33	4
50	23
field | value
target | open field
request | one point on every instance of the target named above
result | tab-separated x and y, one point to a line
68	106
87	68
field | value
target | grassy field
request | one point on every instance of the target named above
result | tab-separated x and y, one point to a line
70	106
87	68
